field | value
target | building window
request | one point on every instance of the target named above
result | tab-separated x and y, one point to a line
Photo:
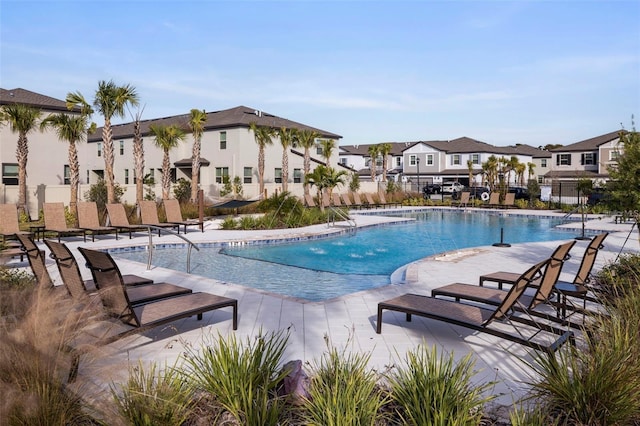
563	160
319	149
343	161
126	176
221	172
67	175
151	175
248	174
121	147
614	155
412	160
543	162
475	158
135	178
9	174
297	176
99	146
88	177
173	172
588	159
223	140
278	175
398	162
429	159
456	160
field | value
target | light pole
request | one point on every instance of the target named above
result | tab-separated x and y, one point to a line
418	165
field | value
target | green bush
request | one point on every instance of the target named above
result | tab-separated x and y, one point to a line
98	193
435	390
151	397
343	391
242	377
182	190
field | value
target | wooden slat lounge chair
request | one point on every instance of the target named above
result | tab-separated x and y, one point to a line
543	287
9	224
174	215
70	272
56	222
480	318
149	216
36	260
88	220
118	219
117	303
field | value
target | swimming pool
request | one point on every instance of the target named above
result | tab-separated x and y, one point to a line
331	267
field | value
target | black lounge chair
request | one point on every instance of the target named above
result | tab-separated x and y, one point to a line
36	260
543	288
72	279
481	319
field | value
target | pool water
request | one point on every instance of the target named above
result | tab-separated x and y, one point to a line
331	267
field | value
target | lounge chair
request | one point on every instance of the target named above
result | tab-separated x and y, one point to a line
335	197
464	198
88	220
118	219
174	215
480	318
326	201
346	200
494	200
383	200
543	287
36	260
370	201
9	225
509	200
55	221
357	201
70	272
149	216
309	201
117	303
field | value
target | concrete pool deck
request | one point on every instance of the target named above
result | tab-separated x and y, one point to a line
348	321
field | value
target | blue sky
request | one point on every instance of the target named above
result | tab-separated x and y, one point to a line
502	72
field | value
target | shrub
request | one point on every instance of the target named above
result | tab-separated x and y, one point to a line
354	182
434	390
98	193
242	377
151	397
182	190
343	391
229	223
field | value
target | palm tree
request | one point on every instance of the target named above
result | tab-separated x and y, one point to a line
72	129
325	179
167	137
197	119
490	171
110	101
470	169
22	120
384	149
264	137
287	140
373	153
306	139
328	146
521	168
532	168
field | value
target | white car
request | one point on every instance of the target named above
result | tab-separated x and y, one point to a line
450	187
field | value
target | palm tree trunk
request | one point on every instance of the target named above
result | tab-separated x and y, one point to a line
138	158
74	179
195	169
261	170
285	169
306	165
384	168
107	140
22	154
166	175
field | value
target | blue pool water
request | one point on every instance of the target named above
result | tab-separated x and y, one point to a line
326	268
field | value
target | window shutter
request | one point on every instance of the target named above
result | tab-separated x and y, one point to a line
558	160
582	159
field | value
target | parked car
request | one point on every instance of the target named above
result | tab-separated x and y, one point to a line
478	191
431	188
521	192
597	196
451	187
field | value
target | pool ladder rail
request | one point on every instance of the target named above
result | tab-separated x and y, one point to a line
190	244
342	216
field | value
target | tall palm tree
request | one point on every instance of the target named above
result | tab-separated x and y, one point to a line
110	101
287	140
167	137
325	179
532	168
521	168
264	137
470	170
22	120
490	171
373	154
197	119
385	150
306	139
328	145
72	129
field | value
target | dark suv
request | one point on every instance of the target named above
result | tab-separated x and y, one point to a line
521	192
597	196
432	188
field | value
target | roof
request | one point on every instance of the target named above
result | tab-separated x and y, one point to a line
363	150
240	116
188	162
32	99
532	151
591	144
573	174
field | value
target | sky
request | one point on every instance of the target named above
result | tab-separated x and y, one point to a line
502	72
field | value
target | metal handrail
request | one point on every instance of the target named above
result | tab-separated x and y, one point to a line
343	216
172	232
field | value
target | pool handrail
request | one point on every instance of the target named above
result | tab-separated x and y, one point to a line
160	229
